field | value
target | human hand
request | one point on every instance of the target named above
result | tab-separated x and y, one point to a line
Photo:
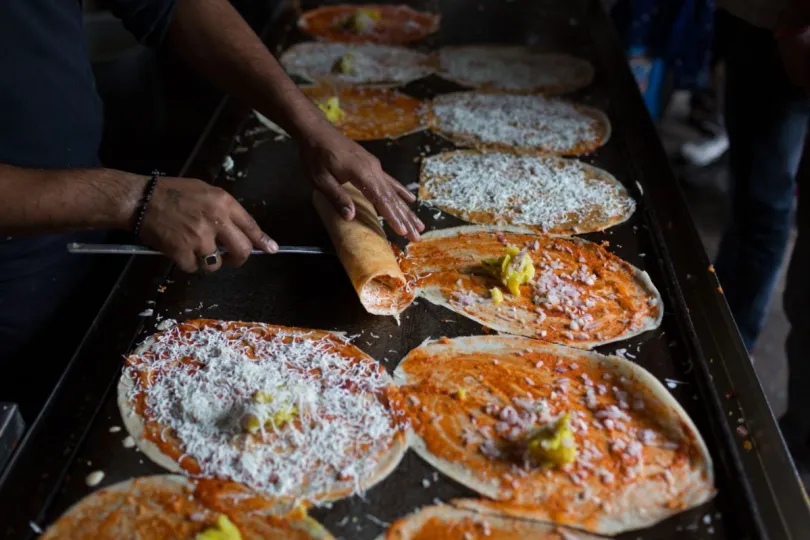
333	160
188	219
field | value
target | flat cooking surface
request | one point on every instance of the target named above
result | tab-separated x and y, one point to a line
75	437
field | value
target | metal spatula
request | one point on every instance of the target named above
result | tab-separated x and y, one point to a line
125	249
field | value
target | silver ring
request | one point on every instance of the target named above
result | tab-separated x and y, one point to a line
208	260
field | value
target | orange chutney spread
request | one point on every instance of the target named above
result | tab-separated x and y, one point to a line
154	507
580	293
372	113
478	410
470	527
394	25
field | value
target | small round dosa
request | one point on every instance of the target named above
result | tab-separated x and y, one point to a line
450	523
171	506
519	123
379	65
398	24
640	458
161	445
373	113
514	69
544	194
366	255
620	303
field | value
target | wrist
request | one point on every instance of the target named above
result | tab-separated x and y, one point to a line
129	191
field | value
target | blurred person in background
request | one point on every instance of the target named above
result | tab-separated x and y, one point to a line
766	47
669	47
706	114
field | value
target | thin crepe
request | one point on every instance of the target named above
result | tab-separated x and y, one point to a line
170	506
581	295
252	460
475	402
372	113
378	65
519	123
398	24
366	255
514	69
544	194
451	523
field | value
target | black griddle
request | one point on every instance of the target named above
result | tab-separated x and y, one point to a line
697	345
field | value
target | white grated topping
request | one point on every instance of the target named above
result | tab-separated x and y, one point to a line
335	435
94	478
542	191
513	68
520	121
373	64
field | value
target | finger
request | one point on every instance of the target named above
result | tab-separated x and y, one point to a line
402	191
258	238
335	194
386	206
399	210
186	261
412	218
409	220
236	243
408	217
207	255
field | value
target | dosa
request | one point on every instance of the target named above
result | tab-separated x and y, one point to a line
366	255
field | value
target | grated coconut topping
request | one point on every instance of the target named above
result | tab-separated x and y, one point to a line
527	190
338	426
513	68
520	121
373	64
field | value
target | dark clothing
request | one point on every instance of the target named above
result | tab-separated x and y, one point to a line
52	119
766	119
52	116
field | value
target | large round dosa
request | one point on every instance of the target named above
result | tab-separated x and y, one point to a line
446	269
379	65
373	113
519	123
451	523
398	24
366	255
135	425
170	506
514	69
543	194
676	472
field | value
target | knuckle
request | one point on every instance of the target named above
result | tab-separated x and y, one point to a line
372	162
220	198
200	230
250	224
243	252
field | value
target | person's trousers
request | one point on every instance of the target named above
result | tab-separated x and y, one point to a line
766	120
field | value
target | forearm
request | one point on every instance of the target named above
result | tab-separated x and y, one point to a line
212	37
41	201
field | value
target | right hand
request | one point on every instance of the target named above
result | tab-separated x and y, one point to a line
187	219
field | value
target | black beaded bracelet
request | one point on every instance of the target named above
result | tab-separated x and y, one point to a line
147	196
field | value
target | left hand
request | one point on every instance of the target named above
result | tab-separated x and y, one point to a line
333	160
